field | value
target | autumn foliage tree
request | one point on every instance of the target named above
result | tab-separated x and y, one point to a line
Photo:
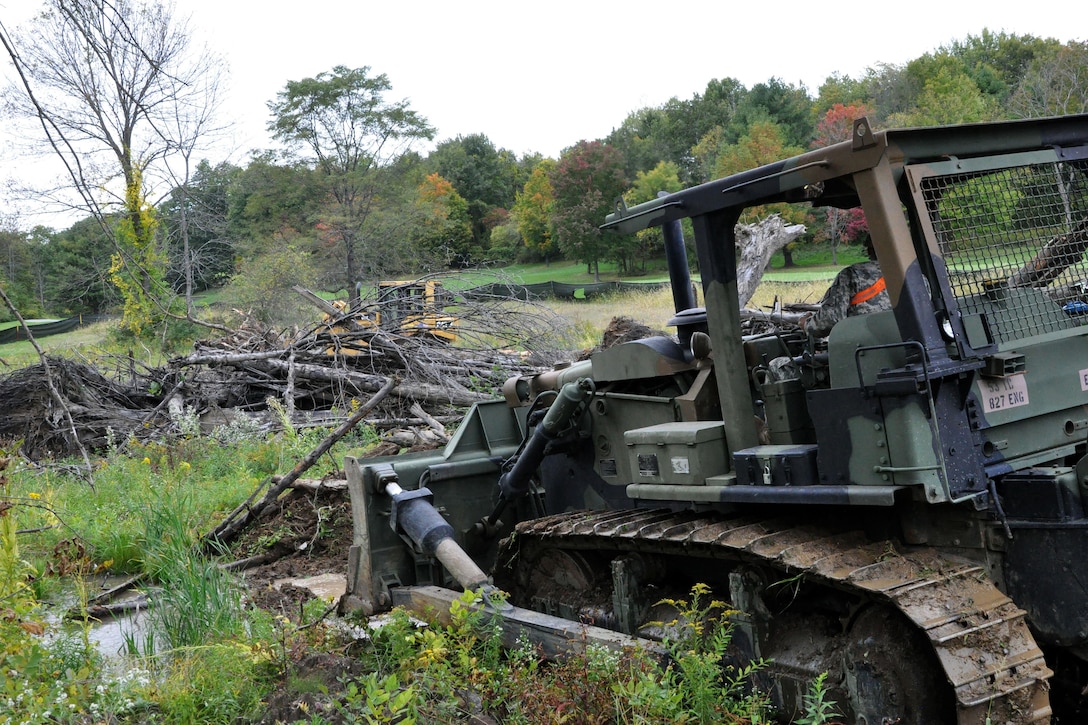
532	210
586	181
444	227
763	144
836	125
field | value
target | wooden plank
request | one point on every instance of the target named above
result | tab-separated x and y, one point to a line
556	637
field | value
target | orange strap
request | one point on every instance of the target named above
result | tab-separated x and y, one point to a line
869	292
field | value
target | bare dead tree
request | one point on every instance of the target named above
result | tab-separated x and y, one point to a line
183	126
106	81
1053	85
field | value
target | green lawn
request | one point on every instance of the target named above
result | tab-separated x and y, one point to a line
83	339
812	266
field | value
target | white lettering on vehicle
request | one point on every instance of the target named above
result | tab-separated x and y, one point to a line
1004	393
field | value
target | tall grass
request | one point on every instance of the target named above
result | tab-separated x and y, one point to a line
194	601
589	319
89	341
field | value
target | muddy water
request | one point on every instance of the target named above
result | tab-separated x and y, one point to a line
109	634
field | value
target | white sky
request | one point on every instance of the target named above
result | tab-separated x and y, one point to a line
539	77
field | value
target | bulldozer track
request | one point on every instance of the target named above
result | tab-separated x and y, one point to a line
979	635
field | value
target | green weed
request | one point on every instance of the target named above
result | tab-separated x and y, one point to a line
376	699
818	709
194	600
700	637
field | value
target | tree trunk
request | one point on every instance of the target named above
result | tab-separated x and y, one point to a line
757	243
787	258
1050	261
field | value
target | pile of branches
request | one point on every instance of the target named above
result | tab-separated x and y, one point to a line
99	407
336	360
268	377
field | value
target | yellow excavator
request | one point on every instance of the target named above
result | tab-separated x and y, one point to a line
414	308
409	308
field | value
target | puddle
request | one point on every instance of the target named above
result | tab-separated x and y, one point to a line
109	633
326	586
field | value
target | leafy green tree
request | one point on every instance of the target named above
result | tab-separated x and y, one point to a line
1054	84
17	273
784	104
506	246
645	137
948	96
585	182
269	197
262	285
486	177
532	212
671	132
997	61
838	90
77	273
350	131
648	243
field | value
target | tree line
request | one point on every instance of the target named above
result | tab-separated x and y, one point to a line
354	198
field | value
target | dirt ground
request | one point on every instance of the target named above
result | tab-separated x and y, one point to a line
309	533
304	534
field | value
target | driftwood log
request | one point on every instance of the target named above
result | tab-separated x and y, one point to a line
757	243
1053	259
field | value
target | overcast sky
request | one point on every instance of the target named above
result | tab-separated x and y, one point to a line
539	77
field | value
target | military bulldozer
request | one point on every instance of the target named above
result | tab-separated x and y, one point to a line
907	516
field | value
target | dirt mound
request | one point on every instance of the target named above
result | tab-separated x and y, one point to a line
304	534
620	330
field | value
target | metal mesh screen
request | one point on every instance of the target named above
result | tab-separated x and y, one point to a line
1014	243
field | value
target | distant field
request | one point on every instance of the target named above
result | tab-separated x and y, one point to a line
87	341
803	283
14	323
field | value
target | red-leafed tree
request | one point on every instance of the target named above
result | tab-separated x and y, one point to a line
855	225
837	125
585	182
